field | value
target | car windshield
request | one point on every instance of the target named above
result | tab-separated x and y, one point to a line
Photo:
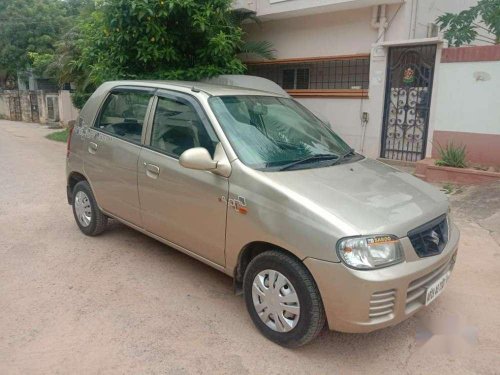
274	133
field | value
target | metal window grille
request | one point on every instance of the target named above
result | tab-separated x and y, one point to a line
296	78
288	79
327	74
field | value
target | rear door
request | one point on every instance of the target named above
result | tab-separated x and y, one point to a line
113	146
183	206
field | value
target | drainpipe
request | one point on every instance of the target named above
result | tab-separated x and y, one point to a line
413	19
379	21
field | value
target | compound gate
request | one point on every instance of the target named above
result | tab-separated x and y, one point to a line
15	108
35	116
410	72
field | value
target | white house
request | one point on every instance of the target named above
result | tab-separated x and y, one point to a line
368	66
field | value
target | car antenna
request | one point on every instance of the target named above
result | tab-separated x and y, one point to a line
194	89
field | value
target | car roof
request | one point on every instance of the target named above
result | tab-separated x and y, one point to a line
209	88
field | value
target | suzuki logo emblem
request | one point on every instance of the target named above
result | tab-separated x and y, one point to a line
434	237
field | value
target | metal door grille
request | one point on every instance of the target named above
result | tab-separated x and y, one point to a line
35	117
15	108
410	71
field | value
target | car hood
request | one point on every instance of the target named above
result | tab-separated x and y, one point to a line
369	196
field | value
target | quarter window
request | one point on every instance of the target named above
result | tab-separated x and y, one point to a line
123	114
177	127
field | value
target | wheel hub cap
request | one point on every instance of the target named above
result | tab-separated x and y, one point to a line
275	301
83	209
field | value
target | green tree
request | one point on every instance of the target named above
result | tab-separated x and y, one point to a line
480	22
29	29
165	39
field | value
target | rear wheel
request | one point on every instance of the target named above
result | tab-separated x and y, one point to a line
283	299
88	216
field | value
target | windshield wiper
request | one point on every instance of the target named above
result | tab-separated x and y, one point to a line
343	156
312	158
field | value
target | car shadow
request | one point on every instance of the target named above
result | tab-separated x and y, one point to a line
216	285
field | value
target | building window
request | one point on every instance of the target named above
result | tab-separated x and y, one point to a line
324	76
294	79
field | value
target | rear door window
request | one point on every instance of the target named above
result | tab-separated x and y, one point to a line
123	114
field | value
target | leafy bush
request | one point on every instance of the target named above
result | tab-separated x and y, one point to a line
165	39
80	97
29	30
480	22
451	156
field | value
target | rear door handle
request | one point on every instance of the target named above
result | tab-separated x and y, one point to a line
92	147
152	170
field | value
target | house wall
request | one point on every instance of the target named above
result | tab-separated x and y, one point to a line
298	30
24	109
42	107
468	102
4	107
65	113
427	11
328	34
341	33
333	34
345	115
276	9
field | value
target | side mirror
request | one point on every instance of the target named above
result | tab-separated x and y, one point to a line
197	158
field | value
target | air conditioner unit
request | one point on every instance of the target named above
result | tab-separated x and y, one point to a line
432	30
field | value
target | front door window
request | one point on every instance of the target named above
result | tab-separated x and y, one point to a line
178	127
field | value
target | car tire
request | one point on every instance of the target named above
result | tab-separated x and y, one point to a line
88	215
311	315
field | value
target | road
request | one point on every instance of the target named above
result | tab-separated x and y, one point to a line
124	303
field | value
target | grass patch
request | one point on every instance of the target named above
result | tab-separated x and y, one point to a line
451	156
60	136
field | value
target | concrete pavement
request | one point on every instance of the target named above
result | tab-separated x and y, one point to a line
125	303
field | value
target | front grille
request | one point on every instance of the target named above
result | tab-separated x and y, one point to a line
382	303
431	238
415	294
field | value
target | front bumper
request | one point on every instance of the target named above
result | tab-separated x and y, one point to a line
363	301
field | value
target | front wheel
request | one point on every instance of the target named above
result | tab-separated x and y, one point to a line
283	299
88	216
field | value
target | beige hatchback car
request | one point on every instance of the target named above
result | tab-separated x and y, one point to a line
256	186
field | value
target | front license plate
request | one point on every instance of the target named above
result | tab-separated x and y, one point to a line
436	288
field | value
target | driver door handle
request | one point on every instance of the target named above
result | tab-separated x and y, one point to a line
92	147
152	170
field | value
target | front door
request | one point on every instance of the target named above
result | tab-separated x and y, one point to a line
113	146
183	206
410	71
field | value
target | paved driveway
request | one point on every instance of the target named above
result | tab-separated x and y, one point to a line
124	303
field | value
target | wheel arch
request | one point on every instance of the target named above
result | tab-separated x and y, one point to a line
247	253
73	179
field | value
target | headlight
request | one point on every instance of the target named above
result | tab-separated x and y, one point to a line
369	252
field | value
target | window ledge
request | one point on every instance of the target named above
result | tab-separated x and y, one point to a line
336	93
